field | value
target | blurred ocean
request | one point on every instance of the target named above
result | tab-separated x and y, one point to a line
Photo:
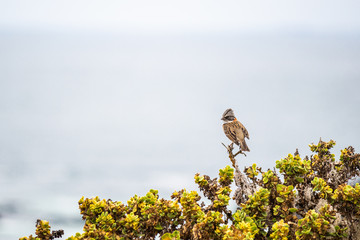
114	115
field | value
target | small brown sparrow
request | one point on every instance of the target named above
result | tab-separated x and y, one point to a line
234	130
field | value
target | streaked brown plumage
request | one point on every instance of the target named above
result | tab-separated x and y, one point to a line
234	130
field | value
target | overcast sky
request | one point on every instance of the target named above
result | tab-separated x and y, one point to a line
182	16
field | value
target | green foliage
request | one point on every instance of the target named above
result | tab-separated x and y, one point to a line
293	168
321	186
284	207
245	225
323	161
256	206
43	232
171	236
270	179
226	176
280	230
318	225
313	201
348	197
348	159
252	171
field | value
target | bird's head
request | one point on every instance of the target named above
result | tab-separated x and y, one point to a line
228	115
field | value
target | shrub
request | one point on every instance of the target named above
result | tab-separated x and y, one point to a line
313	201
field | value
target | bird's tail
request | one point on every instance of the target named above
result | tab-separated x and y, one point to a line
244	147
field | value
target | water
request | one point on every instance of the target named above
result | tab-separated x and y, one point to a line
116	115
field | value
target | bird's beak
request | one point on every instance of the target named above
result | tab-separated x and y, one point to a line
223	119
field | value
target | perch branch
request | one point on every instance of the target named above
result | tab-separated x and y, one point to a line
232	156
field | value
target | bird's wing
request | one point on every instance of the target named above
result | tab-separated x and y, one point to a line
238	125
230	132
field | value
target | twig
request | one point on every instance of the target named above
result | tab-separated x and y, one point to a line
239	152
232	156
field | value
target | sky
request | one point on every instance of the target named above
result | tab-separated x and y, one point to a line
182	16
114	98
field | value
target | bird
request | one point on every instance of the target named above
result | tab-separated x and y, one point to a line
234	130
